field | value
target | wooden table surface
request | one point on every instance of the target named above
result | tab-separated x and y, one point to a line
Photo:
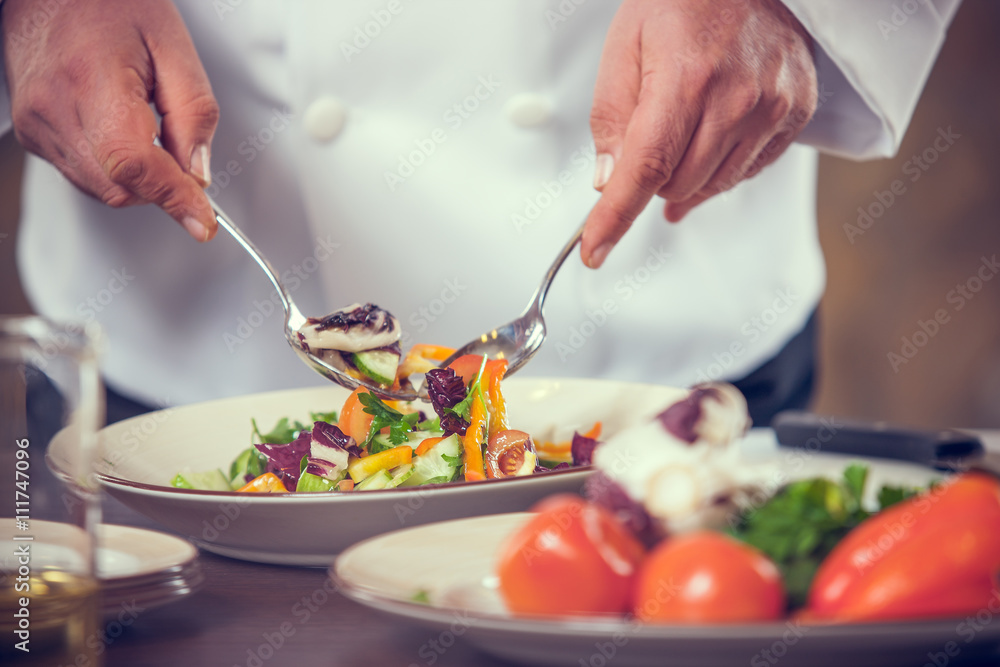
228	621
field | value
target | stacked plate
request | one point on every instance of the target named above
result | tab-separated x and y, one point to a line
141	569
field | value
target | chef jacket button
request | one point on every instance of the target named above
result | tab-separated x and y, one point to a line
528	109
324	118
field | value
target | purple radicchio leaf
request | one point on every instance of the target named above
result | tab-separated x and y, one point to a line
582	449
329	435
285	461
681	419
446	389
562	466
601	489
330	451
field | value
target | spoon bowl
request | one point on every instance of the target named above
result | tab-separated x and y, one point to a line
294	320
519	340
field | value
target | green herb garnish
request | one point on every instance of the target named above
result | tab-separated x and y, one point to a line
399	424
802	523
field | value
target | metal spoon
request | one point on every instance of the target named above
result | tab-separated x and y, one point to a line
294	319
519	340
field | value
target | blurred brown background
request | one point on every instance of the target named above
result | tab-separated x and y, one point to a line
894	275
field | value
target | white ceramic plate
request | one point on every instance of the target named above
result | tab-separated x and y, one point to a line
451	565
138	569
141	455
142	569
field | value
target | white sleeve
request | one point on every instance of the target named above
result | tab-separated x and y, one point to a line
872	60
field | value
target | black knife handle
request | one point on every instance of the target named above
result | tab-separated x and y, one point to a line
946	449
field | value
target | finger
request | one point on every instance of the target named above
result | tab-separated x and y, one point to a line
184	98
655	141
708	149
616	94
728	174
66	146
129	159
742	164
728	119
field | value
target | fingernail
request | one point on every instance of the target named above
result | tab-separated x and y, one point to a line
603	166
195	228
200	165
598	256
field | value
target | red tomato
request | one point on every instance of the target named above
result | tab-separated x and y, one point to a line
708	577
354	421
467	366
573	557
937	554
509	453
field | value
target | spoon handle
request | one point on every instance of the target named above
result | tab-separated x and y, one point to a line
226	223
538	299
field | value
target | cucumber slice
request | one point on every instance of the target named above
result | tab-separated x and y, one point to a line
309	483
440	464
400	475
210	480
379	480
413	439
379	365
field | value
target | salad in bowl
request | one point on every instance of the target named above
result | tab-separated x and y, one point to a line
371	444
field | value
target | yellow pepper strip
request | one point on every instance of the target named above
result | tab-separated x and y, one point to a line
369	465
474	439
497	405
266	483
421	358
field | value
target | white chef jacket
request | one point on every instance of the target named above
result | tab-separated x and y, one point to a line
432	157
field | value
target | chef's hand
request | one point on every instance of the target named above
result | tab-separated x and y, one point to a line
81	76
692	97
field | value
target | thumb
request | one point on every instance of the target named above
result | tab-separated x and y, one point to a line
184	98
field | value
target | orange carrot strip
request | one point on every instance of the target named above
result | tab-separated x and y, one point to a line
266	483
